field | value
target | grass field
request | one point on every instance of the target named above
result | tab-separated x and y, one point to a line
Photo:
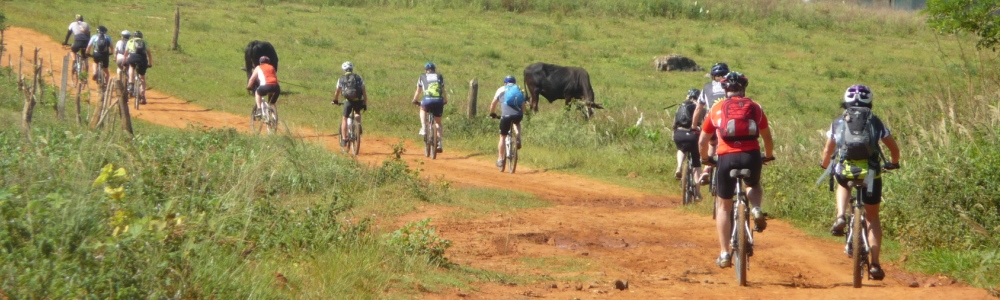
937	95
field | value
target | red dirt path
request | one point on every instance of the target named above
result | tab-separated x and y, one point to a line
597	231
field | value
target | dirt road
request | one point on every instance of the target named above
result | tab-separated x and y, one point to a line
596	232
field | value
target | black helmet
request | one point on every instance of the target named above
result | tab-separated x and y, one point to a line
102	29
720	69
735	81
694	93
138	34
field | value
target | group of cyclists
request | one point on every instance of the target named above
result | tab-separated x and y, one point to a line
725	129
131	52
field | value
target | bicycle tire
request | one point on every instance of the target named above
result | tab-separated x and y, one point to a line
742	242
512	158
256	123
857	260
686	181
135	92
432	138
272	119
355	137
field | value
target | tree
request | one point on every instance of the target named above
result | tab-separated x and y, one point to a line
980	17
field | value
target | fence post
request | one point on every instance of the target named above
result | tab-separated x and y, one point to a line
177	27
61	106
473	94
29	96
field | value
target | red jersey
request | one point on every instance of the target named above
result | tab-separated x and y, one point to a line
713	122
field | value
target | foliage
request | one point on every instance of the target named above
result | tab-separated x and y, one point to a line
981	18
419	238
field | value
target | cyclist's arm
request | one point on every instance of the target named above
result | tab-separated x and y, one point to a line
893	149
253	77
364	94
827	153
699	112
336	94
417	93
703	145
444	93
68	33
768	142
149	58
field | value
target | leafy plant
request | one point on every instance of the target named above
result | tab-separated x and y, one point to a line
419	238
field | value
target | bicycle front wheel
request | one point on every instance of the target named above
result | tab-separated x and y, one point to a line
742	243
857	246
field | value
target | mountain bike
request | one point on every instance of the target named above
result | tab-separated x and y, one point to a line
353	134
741	239
431	139
511	144
689	182
857	246
79	68
134	87
264	118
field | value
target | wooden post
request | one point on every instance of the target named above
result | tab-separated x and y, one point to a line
61	105
177	27
29	97
2	30
123	108
79	90
20	63
473	94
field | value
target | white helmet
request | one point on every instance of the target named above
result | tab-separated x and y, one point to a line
858	93
347	66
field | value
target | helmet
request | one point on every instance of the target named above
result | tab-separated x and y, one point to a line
79	17
265	60
734	81
138	34
429	66
347	66
858	94
102	29
720	69
694	93
126	34
509	79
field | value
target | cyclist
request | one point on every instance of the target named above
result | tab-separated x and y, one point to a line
685	139
738	122
431	86
858	102
511	101
100	47
81	35
711	93
138	58
120	51
352	86
267	77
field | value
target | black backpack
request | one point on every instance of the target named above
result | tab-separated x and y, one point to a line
351	88
101	46
685	114
856	135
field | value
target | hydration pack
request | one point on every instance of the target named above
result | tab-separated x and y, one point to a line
685	114
513	96
101	45
352	86
138	46
739	120
855	136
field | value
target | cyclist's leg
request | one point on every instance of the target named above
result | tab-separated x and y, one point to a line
843	198
423	119
517	128
711	152
724	205
505	123
872	204
348	110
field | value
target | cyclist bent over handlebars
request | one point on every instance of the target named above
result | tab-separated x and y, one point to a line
511	113
739	150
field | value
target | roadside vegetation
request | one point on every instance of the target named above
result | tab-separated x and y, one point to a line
938	93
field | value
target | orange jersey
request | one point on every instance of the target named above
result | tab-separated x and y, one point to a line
269	75
714	120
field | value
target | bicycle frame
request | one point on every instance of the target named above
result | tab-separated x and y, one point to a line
689	184
858	208
740	207
431	138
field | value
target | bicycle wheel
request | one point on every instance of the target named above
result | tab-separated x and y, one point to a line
742	243
686	178
512	155
272	119
434	139
355	137
256	122
134	92
857	247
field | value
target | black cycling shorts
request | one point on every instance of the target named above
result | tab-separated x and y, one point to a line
102	60
733	161
273	90
506	122
871	199
80	45
139	62
434	106
352	107
686	140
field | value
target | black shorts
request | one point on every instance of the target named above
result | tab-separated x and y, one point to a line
433	106
871	199
733	161
139	62
102	60
79	46
507	121
273	89
352	107
686	141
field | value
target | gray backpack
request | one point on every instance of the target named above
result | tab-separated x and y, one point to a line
855	136
351	87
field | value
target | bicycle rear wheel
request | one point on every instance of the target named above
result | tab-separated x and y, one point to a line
857	247
256	122
742	243
355	138
512	155
272	119
687	197
135	92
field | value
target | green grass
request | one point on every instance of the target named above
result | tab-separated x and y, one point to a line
937	94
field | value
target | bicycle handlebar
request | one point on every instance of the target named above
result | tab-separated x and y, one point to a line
714	160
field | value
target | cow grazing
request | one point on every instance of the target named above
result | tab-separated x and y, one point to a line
558	82
252	55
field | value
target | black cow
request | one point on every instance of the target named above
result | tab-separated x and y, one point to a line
558	82
252	55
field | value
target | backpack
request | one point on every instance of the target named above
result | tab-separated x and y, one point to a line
352	86
101	46
139	46
739	119
855	136
685	114
513	96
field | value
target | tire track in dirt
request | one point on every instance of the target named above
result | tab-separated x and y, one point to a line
596	232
